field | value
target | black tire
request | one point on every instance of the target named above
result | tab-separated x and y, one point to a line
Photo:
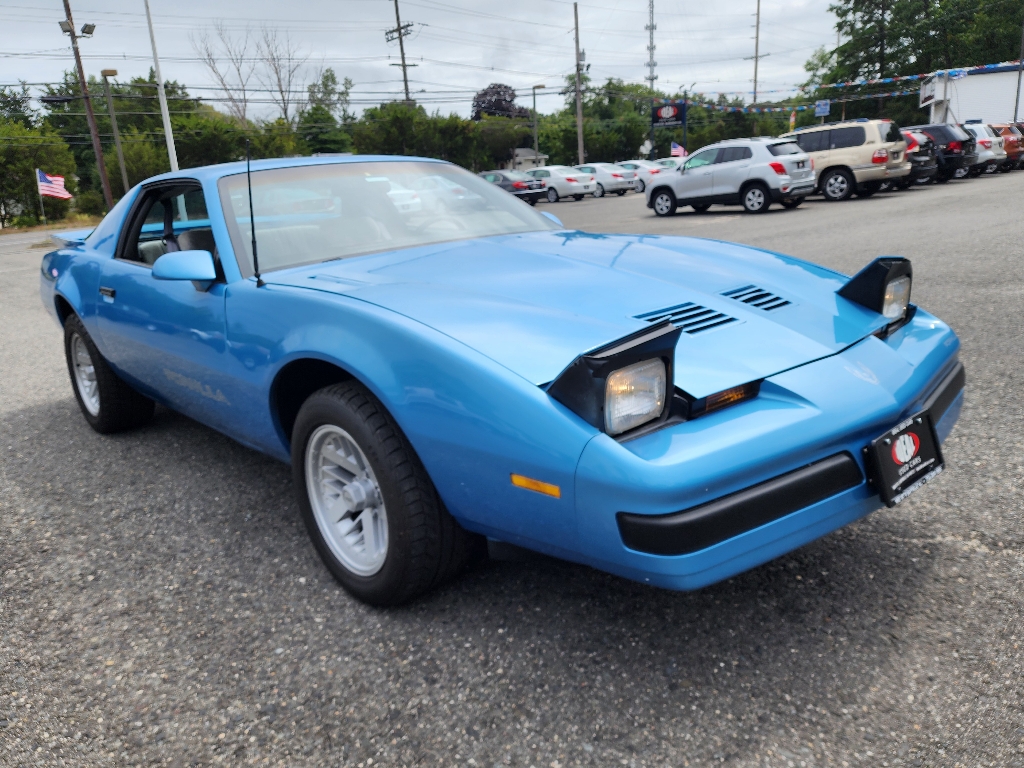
426	546
621	192
552	195
663	201
577	197
941	178
599	192
792	203
869	188
532	200
640	186
837	184
700	207
756	198
1005	168
118	407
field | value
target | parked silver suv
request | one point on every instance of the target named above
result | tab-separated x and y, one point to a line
753	173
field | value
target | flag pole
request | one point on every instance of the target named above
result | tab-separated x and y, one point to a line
42	211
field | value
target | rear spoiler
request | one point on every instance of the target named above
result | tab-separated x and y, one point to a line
72	238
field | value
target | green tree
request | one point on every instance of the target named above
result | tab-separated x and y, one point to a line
23	149
142	158
207	137
15	105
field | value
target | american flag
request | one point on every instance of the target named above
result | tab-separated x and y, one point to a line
51	186
678	151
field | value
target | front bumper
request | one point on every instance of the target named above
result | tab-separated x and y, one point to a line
764	477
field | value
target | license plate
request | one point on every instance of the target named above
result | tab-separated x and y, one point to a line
800	164
904	458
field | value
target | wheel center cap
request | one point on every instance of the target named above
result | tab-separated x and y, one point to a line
360	494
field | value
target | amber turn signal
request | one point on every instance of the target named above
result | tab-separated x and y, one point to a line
548	489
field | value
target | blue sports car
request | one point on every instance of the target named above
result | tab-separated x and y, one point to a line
670	409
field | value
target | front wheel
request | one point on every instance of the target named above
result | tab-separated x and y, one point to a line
107	402
372	512
640	186
599	192
552	195
664	203
756	199
837	185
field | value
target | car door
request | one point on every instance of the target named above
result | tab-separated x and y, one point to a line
167	336
731	170
697	180
816	144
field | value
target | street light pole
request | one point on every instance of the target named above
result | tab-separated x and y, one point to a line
113	125
90	116
536	141
1020	71
172	155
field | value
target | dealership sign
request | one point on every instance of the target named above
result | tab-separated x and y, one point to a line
668	114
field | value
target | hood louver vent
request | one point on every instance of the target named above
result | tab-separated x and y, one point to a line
756	297
690	317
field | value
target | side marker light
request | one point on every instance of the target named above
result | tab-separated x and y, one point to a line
538	486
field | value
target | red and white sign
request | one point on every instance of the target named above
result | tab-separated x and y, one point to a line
905	447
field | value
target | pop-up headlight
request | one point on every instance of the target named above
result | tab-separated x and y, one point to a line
882	286
624	385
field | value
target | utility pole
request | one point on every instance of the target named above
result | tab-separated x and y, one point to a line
90	116
651	64
579	85
1020	71
399	33
113	124
172	155
757	47
536	141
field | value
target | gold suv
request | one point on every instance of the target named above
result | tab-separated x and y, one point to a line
854	155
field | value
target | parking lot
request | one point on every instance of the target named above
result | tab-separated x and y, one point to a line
160	601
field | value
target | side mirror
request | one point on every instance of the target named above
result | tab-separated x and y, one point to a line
186	265
553	218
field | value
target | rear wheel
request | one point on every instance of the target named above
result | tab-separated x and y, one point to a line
371	510
837	185
640	186
793	203
107	402
599	192
756	198
532	199
552	195
664	202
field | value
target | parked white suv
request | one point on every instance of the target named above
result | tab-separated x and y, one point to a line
753	173
563	181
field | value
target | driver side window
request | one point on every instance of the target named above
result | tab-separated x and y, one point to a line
169	219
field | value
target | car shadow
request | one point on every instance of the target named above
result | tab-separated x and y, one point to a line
547	651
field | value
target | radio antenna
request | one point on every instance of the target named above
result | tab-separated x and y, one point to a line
252	220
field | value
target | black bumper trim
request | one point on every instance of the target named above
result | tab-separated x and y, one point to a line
691	530
945	393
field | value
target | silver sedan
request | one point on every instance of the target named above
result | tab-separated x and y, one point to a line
609	178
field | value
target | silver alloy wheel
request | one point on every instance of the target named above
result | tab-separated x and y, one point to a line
754	199
640	186
836	186
346	499
599	192
663	204
85	375
552	195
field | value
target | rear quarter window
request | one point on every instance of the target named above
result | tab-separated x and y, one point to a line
815	141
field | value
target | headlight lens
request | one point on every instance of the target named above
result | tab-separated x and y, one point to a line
634	395
897	296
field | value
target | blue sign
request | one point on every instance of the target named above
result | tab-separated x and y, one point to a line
822	108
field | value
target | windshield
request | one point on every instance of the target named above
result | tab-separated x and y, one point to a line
314	213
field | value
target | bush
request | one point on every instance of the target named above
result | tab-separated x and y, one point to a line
90	203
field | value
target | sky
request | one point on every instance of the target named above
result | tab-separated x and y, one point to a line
458	46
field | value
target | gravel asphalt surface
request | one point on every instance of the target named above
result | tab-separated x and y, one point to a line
160	602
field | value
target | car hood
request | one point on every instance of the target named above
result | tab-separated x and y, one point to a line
534	302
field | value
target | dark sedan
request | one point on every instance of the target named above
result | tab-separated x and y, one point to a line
954	148
524	187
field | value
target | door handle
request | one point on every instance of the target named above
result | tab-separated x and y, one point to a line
108	292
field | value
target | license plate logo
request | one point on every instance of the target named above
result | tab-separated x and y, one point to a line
904	458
